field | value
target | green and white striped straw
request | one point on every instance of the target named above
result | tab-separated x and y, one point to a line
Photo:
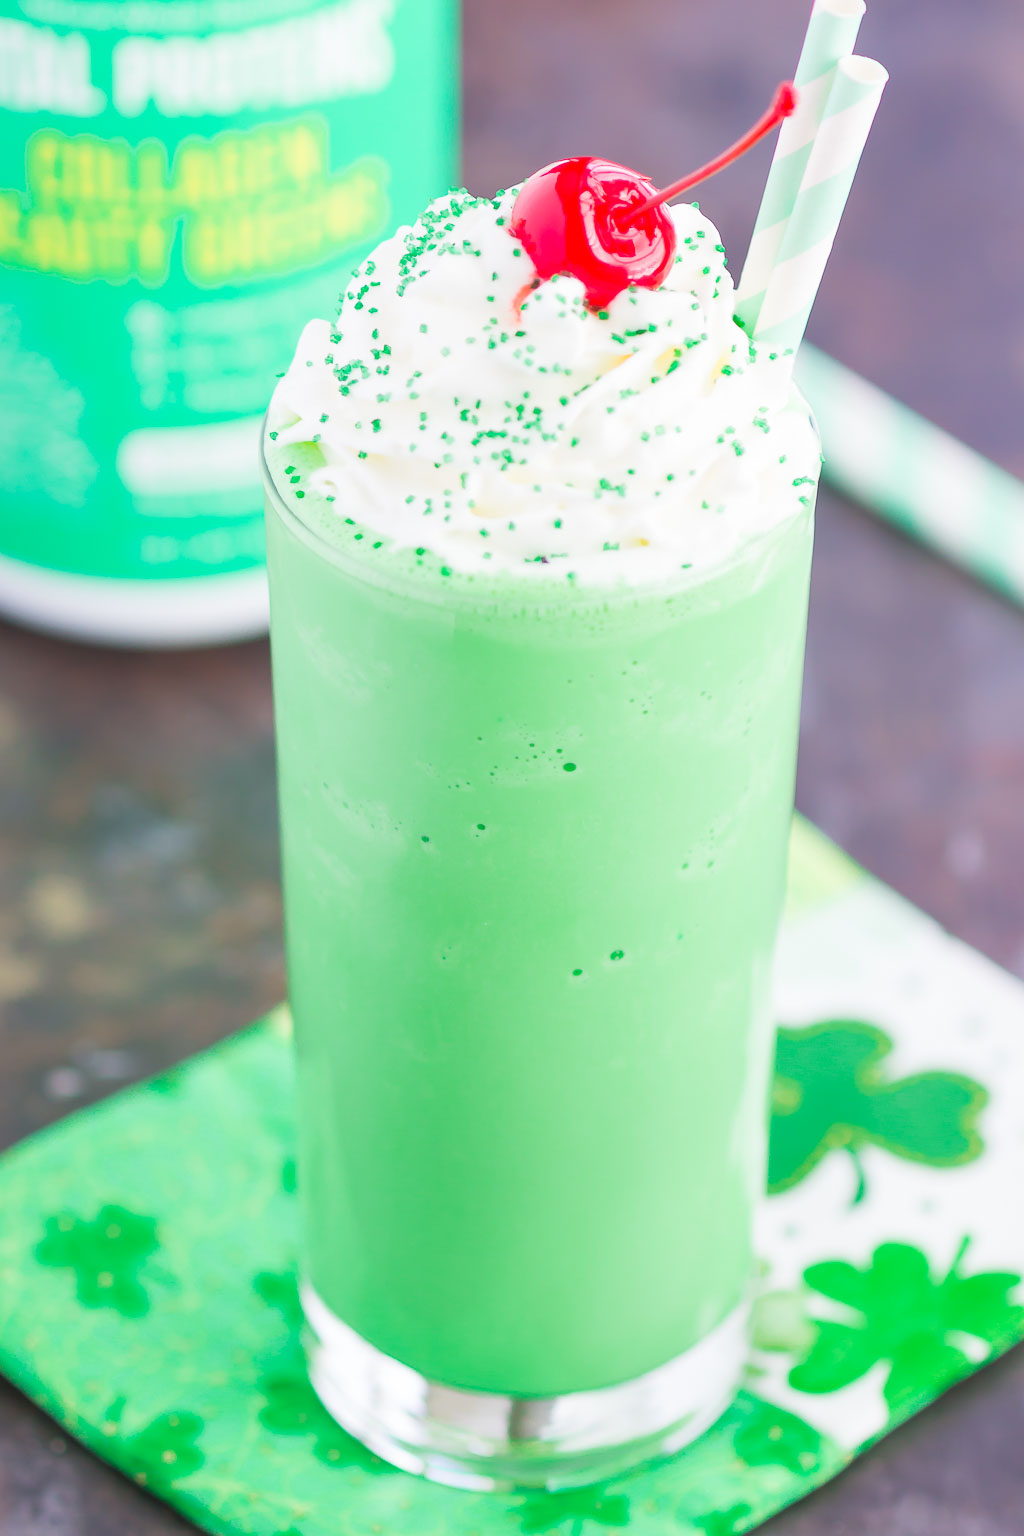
913	474
814	222
831	35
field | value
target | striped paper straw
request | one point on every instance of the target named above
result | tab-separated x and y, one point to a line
915	475
814	223
831	35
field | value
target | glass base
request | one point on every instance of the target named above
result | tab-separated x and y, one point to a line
483	1440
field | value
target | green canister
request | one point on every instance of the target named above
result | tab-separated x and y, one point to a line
182	183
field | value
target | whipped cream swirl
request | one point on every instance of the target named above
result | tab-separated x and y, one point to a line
507	431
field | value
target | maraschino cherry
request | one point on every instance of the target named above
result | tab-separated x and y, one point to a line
608	225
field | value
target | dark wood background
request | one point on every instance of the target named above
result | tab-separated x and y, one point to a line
139	908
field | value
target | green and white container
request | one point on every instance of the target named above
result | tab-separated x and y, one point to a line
183	182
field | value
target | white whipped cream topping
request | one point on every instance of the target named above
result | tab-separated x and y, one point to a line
613	446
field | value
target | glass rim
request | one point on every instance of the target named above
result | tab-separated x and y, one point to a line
488	595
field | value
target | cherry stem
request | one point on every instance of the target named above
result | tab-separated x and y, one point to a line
783	106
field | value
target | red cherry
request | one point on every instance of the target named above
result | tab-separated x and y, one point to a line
608	225
568	218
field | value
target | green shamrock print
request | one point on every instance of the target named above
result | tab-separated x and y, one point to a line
291	1407
829	1093
161	1454
725	1522
106	1255
909	1320
573	1509
774	1438
281	1291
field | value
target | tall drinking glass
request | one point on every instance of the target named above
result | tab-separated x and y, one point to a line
534	851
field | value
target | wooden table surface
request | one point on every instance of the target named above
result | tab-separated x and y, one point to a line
139	907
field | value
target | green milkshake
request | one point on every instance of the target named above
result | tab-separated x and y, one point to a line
538	586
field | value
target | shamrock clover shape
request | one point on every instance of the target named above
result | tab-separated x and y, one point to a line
161	1453
105	1254
291	1407
166	1449
913	1322
830	1094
